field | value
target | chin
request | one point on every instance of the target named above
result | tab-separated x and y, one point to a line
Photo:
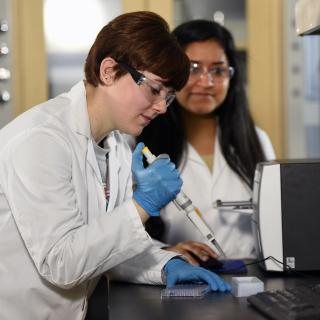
204	111
135	132
202	108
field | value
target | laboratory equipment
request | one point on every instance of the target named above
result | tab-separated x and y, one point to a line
246	286
6	102
286	215
307	17
186	290
234	205
284	211
184	203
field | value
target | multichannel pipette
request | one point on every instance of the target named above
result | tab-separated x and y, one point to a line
183	202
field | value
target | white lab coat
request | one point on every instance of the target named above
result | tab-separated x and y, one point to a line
55	233
232	229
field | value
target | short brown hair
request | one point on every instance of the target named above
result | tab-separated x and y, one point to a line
142	40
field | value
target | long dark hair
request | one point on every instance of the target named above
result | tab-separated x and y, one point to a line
237	135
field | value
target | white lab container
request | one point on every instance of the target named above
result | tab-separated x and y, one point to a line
246	286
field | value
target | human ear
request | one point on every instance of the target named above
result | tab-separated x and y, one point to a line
107	71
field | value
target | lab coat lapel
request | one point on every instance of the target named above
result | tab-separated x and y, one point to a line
80	125
78	116
219	163
202	171
97	201
92	161
114	167
194	156
79	121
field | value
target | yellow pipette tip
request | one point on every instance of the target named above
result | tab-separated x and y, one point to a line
145	150
149	156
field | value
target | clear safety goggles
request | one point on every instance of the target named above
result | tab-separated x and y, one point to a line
152	90
217	74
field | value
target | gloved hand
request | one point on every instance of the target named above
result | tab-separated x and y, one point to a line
157	184
177	270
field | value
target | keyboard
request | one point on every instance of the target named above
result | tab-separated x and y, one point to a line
300	302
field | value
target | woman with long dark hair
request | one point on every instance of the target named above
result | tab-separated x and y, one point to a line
209	134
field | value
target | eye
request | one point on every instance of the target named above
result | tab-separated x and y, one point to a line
195	68
218	71
155	91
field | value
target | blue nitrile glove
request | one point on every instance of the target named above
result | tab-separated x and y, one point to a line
157	184
178	270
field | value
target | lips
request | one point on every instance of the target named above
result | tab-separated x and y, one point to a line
202	94
146	119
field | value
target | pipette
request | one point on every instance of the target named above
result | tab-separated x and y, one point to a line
184	203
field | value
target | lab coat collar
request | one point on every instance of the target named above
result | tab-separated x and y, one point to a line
79	118
114	165
79	112
111	142
79	109
219	162
81	125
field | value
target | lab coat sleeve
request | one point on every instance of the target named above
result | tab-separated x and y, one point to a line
266	144
143	268
40	191
159	244
147	266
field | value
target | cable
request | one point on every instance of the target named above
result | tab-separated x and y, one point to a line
287	267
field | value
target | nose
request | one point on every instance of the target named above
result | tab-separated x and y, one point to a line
160	107
206	79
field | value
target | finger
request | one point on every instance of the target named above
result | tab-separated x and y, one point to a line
214	281
174	173
228	286
161	163
224	286
217	282
173	186
163	156
200	254
171	281
196	250
190	259
204	249
209	279
137	157
179	249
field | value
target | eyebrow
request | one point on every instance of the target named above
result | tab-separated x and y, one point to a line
217	63
161	83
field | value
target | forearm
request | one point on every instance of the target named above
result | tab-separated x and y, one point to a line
143	268
89	250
